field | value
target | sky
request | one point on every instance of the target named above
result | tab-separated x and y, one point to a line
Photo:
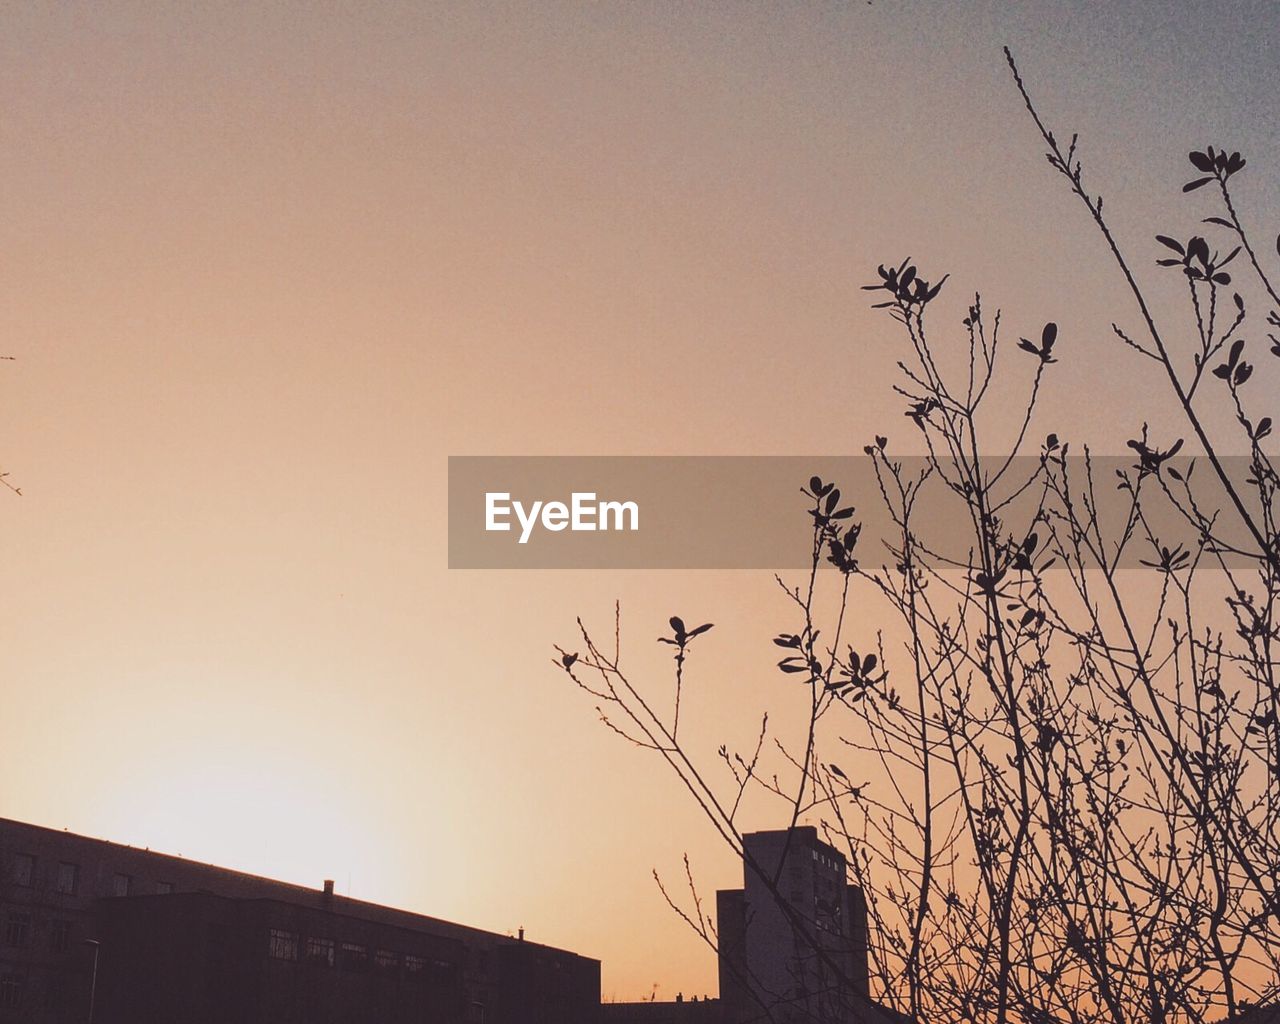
266	266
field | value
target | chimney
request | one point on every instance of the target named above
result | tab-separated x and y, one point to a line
328	888
522	933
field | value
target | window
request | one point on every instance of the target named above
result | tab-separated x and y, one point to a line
17	930
121	885
60	936
386	960
414	964
68	878
282	945
475	1013
164	888
354	956
10	992
24	869
320	951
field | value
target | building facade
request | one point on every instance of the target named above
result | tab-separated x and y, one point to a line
793	939
197	958
174	936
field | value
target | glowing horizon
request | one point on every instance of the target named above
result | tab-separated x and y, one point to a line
267	267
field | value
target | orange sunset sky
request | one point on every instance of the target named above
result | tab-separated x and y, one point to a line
264	267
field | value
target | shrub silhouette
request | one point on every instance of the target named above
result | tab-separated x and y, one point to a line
1067	791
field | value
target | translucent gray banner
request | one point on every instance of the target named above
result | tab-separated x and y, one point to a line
749	512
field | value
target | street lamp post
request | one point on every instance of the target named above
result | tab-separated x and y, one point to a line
93	985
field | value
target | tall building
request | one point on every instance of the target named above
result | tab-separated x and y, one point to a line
181	942
793	939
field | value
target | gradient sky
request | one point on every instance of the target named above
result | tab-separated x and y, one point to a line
264	267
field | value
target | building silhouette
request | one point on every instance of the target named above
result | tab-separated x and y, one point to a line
792	944
197	958
793	939
672	1011
182	942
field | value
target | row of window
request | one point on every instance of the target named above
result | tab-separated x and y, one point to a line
18	931
66	879
824	860
326	952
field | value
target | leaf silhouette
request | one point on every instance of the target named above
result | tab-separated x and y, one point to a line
1202	162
